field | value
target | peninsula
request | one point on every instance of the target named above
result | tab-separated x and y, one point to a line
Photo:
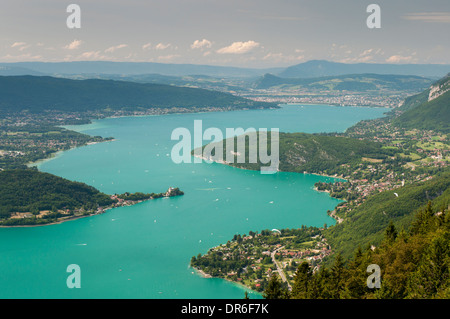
29	197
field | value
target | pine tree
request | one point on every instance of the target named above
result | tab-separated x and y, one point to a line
433	273
356	286
300	289
390	233
337	277
274	289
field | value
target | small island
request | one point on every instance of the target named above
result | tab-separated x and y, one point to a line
29	198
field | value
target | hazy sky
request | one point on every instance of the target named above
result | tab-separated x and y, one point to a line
252	33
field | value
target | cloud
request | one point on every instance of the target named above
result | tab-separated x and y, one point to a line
436	17
92	55
146	46
399	59
162	46
18	44
169	57
366	52
21	46
239	47
350	56
21	58
201	44
116	47
75	44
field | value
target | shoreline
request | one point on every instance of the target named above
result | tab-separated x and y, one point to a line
203	274
69	218
66	219
100	211
176	111
57	154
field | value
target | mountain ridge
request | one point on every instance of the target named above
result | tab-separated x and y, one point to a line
429	109
312	68
348	82
317	68
51	93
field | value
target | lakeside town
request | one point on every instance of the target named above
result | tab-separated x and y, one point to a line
251	259
338	99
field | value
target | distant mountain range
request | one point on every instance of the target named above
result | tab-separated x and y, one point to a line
310	69
42	93
351	82
132	68
318	68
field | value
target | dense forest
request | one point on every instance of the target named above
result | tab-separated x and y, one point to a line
422	111
365	224
26	190
414	264
314	153
49	93
432	115
43	198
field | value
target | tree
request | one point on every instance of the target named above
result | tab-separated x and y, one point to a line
390	233
433	273
356	286
300	289
274	289
337	277
423	220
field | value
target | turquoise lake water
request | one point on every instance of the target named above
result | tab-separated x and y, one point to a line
143	251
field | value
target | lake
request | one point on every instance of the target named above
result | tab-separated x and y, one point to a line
143	251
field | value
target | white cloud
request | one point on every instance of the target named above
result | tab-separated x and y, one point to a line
146	46
239	47
366	52
399	59
18	44
92	55
75	44
364	59
21	46
162	46
21	58
169	57
116	47
201	44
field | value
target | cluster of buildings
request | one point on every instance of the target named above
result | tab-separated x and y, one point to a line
332	99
